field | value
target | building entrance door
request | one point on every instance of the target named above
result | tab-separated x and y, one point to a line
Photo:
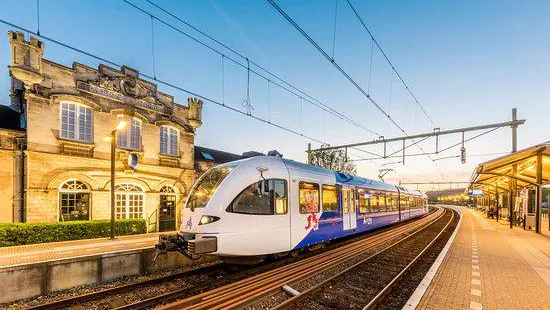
167	213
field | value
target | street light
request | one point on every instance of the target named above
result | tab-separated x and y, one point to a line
112	137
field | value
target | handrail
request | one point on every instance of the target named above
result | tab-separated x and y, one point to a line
149	221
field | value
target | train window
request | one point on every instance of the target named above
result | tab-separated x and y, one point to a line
330	200
265	197
309	197
206	186
374	203
364	201
388	202
352	201
279	196
394	202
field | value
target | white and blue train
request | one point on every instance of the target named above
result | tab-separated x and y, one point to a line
269	205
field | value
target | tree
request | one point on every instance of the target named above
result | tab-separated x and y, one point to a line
333	159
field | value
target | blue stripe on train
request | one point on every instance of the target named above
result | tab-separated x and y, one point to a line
329	230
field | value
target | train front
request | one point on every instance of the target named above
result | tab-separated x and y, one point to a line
209	222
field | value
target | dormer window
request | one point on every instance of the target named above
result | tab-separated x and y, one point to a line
169	141
130	137
76	122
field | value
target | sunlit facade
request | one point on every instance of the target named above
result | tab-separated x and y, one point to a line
67	112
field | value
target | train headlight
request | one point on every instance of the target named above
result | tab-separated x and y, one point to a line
207	219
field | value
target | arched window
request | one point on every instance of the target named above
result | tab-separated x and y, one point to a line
129	201
165	190
74	201
167	209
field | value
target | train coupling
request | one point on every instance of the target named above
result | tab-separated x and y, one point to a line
187	244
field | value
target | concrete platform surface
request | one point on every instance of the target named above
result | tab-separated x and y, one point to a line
489	266
33	253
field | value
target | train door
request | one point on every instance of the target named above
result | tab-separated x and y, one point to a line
348	207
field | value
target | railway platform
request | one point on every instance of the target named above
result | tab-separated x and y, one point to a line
489	266
32	253
43	268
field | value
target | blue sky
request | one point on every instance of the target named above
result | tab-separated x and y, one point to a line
468	63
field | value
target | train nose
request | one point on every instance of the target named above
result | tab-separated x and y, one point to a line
190	220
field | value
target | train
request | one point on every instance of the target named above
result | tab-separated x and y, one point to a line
268	205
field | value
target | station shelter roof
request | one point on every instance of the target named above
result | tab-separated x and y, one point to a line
499	171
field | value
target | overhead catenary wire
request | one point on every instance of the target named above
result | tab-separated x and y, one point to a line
282	83
166	83
345	73
153	46
158	80
334	63
389	62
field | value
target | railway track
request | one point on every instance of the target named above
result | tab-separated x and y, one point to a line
251	290
190	284
365	284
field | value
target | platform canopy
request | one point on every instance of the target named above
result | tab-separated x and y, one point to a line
500	171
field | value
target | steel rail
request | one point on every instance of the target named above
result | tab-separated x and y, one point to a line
173	295
71	301
244	291
319	287
388	287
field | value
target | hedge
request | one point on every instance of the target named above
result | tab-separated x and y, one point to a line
30	233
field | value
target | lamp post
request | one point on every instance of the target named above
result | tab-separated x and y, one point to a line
112	137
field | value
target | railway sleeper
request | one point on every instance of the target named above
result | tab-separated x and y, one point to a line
346	295
331	304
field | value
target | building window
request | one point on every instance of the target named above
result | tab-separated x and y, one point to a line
74	201
129	201
309	197
76	122
169	141
130	137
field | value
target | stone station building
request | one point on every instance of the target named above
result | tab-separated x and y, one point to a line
56	167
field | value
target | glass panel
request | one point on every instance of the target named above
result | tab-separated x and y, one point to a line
84	124
122	138
352	201
330	200
135	142
74	206
364	201
309	197
206	186
345	200
163	140
169	141
255	199
279	196
173	142
68	119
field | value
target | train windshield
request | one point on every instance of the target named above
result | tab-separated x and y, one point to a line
206	186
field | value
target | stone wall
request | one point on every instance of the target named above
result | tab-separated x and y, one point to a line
10	169
39	88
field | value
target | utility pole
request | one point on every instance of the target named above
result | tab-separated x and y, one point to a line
309	153
512	189
514	131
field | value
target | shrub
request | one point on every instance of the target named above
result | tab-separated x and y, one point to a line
30	233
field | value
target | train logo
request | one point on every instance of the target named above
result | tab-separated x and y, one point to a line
367	220
312	221
189	224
